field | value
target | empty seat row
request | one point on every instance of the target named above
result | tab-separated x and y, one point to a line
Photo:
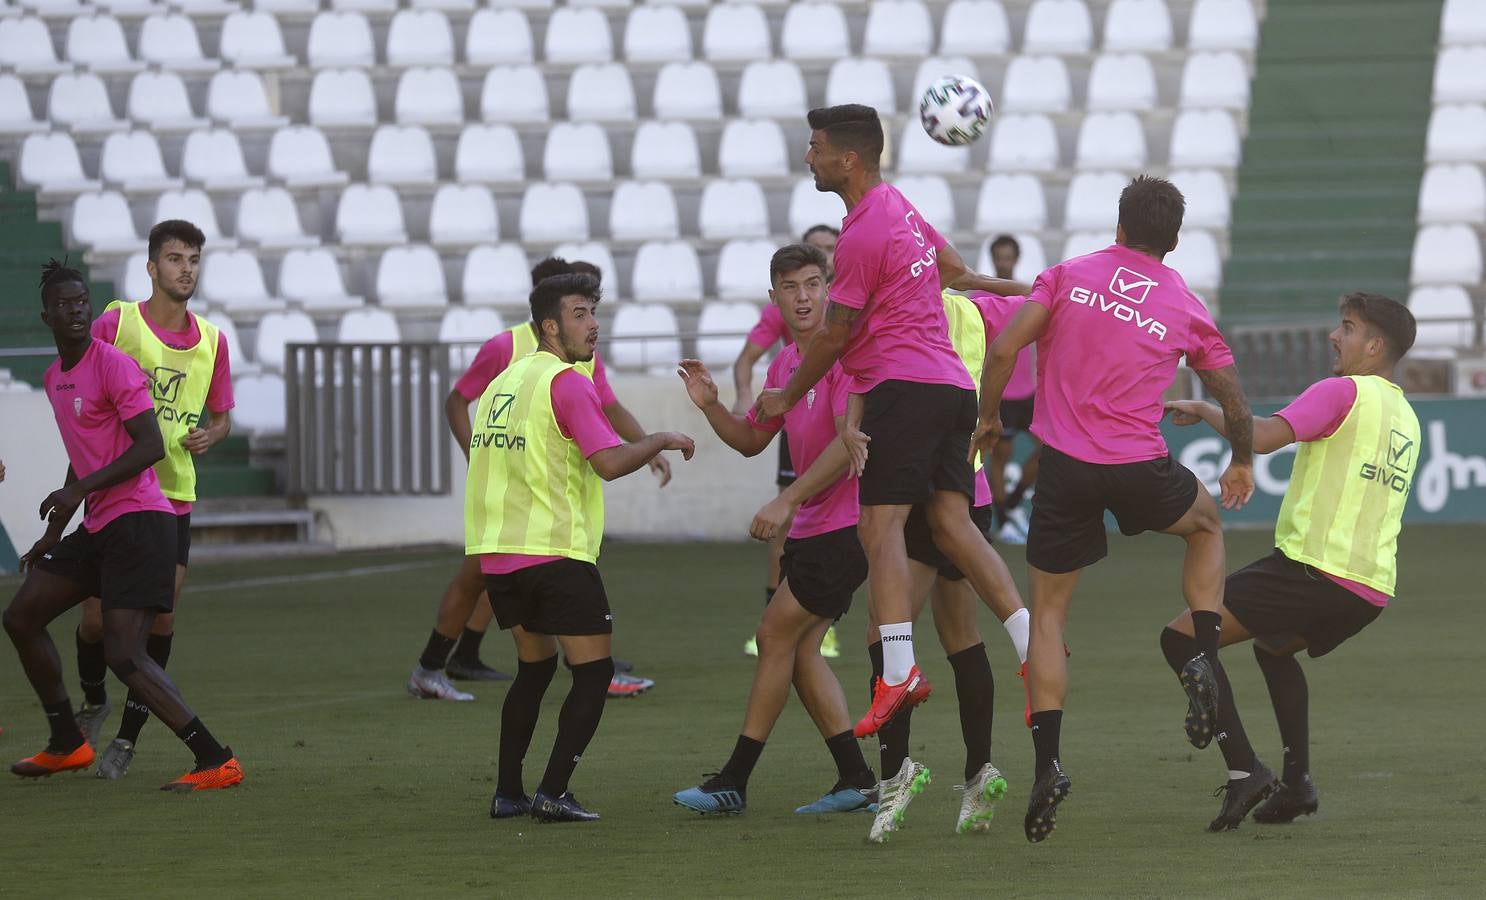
167	40
157	99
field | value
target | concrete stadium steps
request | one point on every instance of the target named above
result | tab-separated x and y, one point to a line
1328	186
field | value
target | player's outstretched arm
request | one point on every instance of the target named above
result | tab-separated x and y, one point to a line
1237	481
825	471
732	427
629	428
1024	328
957	276
748	357
619	461
1270	432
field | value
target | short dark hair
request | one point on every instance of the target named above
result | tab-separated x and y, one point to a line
817	229
794	257
174	230
56	273
851	126
1006	240
552	265
1386	316
546	297
1151	211
584	267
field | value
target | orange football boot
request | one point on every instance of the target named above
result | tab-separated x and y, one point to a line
47	763
889	700
226	775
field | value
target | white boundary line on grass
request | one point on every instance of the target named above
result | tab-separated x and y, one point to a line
268	580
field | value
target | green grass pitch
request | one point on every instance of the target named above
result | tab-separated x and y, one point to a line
356	789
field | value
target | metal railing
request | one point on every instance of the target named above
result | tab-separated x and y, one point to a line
366	418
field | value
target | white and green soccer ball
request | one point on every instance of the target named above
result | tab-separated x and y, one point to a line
955	110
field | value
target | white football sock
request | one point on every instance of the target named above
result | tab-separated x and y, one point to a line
897	652
1016	625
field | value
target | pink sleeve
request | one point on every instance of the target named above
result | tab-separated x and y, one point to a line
492	360
575	403
1044	289
774	378
1320	410
601	382
106	326
856	278
932	235
219	396
128	386
769	329
1206	348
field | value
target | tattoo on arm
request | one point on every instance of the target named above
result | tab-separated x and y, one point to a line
1238	419
841	314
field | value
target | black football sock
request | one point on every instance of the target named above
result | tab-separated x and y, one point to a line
436	653
739	767
1291	700
200	742
851	766
66	736
975	687
468	649
518	721
1047	726
135	712
892	738
92	670
577	722
1206	626
1177	648
1233	741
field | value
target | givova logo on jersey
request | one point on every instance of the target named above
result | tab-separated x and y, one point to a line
930	258
1127	290
1396	472
165	388
496	423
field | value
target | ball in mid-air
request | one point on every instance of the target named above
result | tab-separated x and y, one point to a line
955	110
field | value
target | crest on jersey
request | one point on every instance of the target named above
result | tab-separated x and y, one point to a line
810	399
165	384
77	406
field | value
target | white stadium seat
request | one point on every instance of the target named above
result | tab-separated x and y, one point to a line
411	278
253	40
656	322
935	68
1223	25
448	5
975	27
132	160
369	214
1111	141
420	37
215	159
159	100
899	28
602	93
735	31
687	91
809	207
577	151
1058	26
514	94
260	402
489	153
667	271
97	43
733	209
26	46
665	150
553	212
463	215
752	148
1029	265
1023	143
1143	25
656	34
1460	75
1208	201
299	156
594	252
340	39
194	206
1453	193
720	328
867	81
1442	304
368	326
1215	80
743	270
931	196
1446	254
468	327
429	96
1093	202
376	6
312	279
643	211
1011	203
772	89
578	36
1205	138
1122	82
1197	258
496	36
814	31
917	152
1457	133
292	7
101	220
496	276
233	280
1463	22
275	330
1036	84
1082	243
401	154
237	97
50	162
238	360
342	98
80	103
16	116
170	41
268	217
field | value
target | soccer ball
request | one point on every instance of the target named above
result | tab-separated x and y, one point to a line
955	110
